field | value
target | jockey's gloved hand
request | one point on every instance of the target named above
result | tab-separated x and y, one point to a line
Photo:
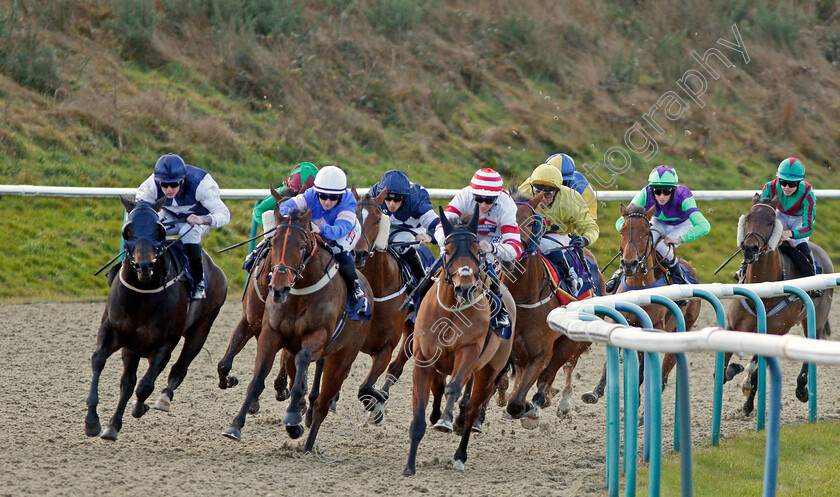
485	247
578	241
314	228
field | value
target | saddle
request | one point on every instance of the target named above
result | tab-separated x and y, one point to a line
561	290
798	259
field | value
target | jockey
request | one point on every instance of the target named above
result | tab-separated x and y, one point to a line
411	214
796	210
193	202
498	232
564	211
574	180
676	217
334	218
301	178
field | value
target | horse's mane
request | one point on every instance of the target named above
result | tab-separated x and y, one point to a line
295	215
636	209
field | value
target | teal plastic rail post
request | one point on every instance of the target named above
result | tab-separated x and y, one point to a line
761	320
811	332
680	319
771	449
719	359
631	420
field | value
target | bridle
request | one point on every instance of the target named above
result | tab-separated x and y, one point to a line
649	246
764	245
159	245
458	238
292	272
359	209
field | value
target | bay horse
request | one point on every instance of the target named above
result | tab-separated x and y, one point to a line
643	268
382	270
146	314
538	351
303	314
452	338
758	235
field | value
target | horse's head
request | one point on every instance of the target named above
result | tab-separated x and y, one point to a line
636	239
291	248
144	236
375	227
758	230
461	264
531	223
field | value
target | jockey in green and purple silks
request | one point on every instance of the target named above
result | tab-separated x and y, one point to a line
676	217
797	207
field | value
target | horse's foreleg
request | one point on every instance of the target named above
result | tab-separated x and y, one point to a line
294	417
525	378
396	367
482	390
194	339
237	342
127	382
372	398
106	345
564	407
464	359
147	384
267	348
668	363
593	396
315	391
281	383
730	370
423	377
438	383
752	383
335	369
563	349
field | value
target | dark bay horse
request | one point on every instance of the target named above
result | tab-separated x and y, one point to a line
536	346
451	338
147	313
759	236
305	305
382	270
643	269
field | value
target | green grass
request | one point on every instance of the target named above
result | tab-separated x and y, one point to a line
807	465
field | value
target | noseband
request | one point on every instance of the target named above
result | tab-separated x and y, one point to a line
461	250
648	244
294	273
764	245
159	245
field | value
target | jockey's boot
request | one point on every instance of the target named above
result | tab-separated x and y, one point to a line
412	258
501	319
676	271
253	256
612	283
741	273
805	249
193	251
357	301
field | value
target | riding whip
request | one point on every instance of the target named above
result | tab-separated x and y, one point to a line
727	260
108	264
246	241
611	261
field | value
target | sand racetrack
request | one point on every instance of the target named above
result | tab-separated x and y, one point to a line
46	352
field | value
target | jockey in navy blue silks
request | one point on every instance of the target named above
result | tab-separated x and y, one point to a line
333	209
193	203
411	214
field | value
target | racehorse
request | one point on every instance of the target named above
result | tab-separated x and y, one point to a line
382	270
452	337
758	235
304	314
643	268
536	346
249	325
147	313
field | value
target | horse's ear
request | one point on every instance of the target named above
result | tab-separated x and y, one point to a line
128	203
755	199
277	197
445	222
474	221
537	200
381	197
355	193
650	212
623	210
159	204
306	216
774	202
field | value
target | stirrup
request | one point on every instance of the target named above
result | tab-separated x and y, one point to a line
198	293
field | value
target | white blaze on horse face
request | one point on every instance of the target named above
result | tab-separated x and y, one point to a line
364	216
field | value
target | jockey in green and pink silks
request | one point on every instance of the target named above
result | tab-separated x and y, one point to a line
676	217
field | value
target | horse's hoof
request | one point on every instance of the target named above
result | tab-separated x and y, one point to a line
110	434
293	419
139	409
283	394
255	407
731	371
458	465
802	394
530	423
333	405
477	428
163	403
443	426
294	431
408	471
589	398
93	430
564	409
377	414
232	381
233	434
